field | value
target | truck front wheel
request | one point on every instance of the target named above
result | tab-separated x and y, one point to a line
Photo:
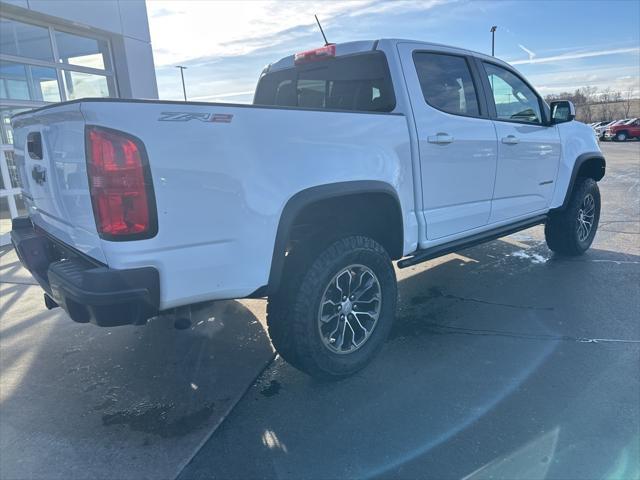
571	231
335	311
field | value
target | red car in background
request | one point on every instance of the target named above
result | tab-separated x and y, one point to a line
623	131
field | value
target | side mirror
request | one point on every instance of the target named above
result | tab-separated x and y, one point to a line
562	111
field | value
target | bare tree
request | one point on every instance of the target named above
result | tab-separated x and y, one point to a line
605	104
583	98
587	110
593	104
627	103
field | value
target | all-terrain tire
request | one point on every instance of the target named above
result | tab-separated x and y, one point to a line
563	230
293	313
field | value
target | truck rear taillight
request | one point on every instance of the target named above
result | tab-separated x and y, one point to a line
322	53
120	185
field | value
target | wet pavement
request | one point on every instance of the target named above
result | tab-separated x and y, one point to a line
505	362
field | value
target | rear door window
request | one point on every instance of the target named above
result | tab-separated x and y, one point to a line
446	83
360	82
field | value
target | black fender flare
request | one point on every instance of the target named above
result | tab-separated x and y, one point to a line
298	202
596	172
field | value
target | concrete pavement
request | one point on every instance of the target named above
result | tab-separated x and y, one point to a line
78	401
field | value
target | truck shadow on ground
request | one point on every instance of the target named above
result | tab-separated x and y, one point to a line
98	398
479	361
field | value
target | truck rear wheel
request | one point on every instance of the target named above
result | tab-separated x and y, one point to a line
571	231
334	312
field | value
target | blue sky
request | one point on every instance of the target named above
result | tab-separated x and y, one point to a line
559	45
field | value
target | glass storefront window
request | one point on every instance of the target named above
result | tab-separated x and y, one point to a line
45	84
40	65
26	82
78	85
25	40
13	81
82	51
6	134
13	169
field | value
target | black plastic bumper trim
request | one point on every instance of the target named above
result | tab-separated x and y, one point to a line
86	291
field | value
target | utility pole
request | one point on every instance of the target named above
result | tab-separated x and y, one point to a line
493	40
184	90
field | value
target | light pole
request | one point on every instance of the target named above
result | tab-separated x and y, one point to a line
493	40
184	90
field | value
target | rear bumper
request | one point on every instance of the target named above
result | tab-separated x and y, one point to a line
85	289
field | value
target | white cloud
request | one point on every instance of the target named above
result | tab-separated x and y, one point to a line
226	43
191	29
526	50
618	78
575	55
224	96
186	30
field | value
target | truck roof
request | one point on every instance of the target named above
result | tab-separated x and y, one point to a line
348	48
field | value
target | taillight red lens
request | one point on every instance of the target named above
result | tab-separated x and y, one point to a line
120	185
322	53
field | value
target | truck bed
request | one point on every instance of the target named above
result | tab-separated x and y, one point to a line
221	173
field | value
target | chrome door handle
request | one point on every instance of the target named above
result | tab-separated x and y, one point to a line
510	140
440	138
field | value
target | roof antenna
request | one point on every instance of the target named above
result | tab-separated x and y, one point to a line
326	42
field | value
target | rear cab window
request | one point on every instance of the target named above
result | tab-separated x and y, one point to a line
358	82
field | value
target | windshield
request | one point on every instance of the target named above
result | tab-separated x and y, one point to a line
360	82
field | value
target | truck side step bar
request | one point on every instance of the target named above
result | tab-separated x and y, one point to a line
460	244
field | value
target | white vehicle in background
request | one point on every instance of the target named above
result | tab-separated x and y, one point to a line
353	155
600	129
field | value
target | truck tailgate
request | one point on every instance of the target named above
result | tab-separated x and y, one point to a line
50	154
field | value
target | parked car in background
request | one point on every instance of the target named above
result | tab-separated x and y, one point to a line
623	131
352	155
600	130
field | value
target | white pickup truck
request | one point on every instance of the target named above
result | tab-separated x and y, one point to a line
352	156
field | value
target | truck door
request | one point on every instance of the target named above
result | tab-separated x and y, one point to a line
528	148
456	138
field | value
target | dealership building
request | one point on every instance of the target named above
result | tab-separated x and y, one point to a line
58	50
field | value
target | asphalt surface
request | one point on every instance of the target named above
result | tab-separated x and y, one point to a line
505	362
79	401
